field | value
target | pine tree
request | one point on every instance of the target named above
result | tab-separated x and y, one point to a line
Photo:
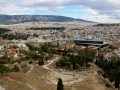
60	85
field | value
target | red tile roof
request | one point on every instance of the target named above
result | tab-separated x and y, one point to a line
104	53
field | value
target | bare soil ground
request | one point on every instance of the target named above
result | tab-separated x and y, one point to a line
33	81
45	78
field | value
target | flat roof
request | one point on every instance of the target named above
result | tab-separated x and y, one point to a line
94	39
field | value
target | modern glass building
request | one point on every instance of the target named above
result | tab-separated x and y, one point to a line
88	42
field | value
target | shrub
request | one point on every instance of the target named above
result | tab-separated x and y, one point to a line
107	85
77	66
3	69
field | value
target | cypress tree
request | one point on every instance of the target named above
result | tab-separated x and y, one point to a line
60	85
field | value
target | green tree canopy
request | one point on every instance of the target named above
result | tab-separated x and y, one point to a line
3	69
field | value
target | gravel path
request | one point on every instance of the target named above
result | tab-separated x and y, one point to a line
46	66
2	88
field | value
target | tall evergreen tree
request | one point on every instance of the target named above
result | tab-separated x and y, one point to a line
60	85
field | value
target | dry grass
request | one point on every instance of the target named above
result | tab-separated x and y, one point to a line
92	83
2	42
18	81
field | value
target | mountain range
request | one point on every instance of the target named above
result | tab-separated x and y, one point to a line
14	19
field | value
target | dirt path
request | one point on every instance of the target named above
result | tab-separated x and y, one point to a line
73	88
46	66
1	88
29	86
31	69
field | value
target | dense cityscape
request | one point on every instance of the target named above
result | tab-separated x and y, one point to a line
74	52
59	45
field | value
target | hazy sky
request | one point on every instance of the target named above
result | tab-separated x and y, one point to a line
95	10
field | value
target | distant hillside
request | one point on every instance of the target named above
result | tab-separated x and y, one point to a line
13	19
